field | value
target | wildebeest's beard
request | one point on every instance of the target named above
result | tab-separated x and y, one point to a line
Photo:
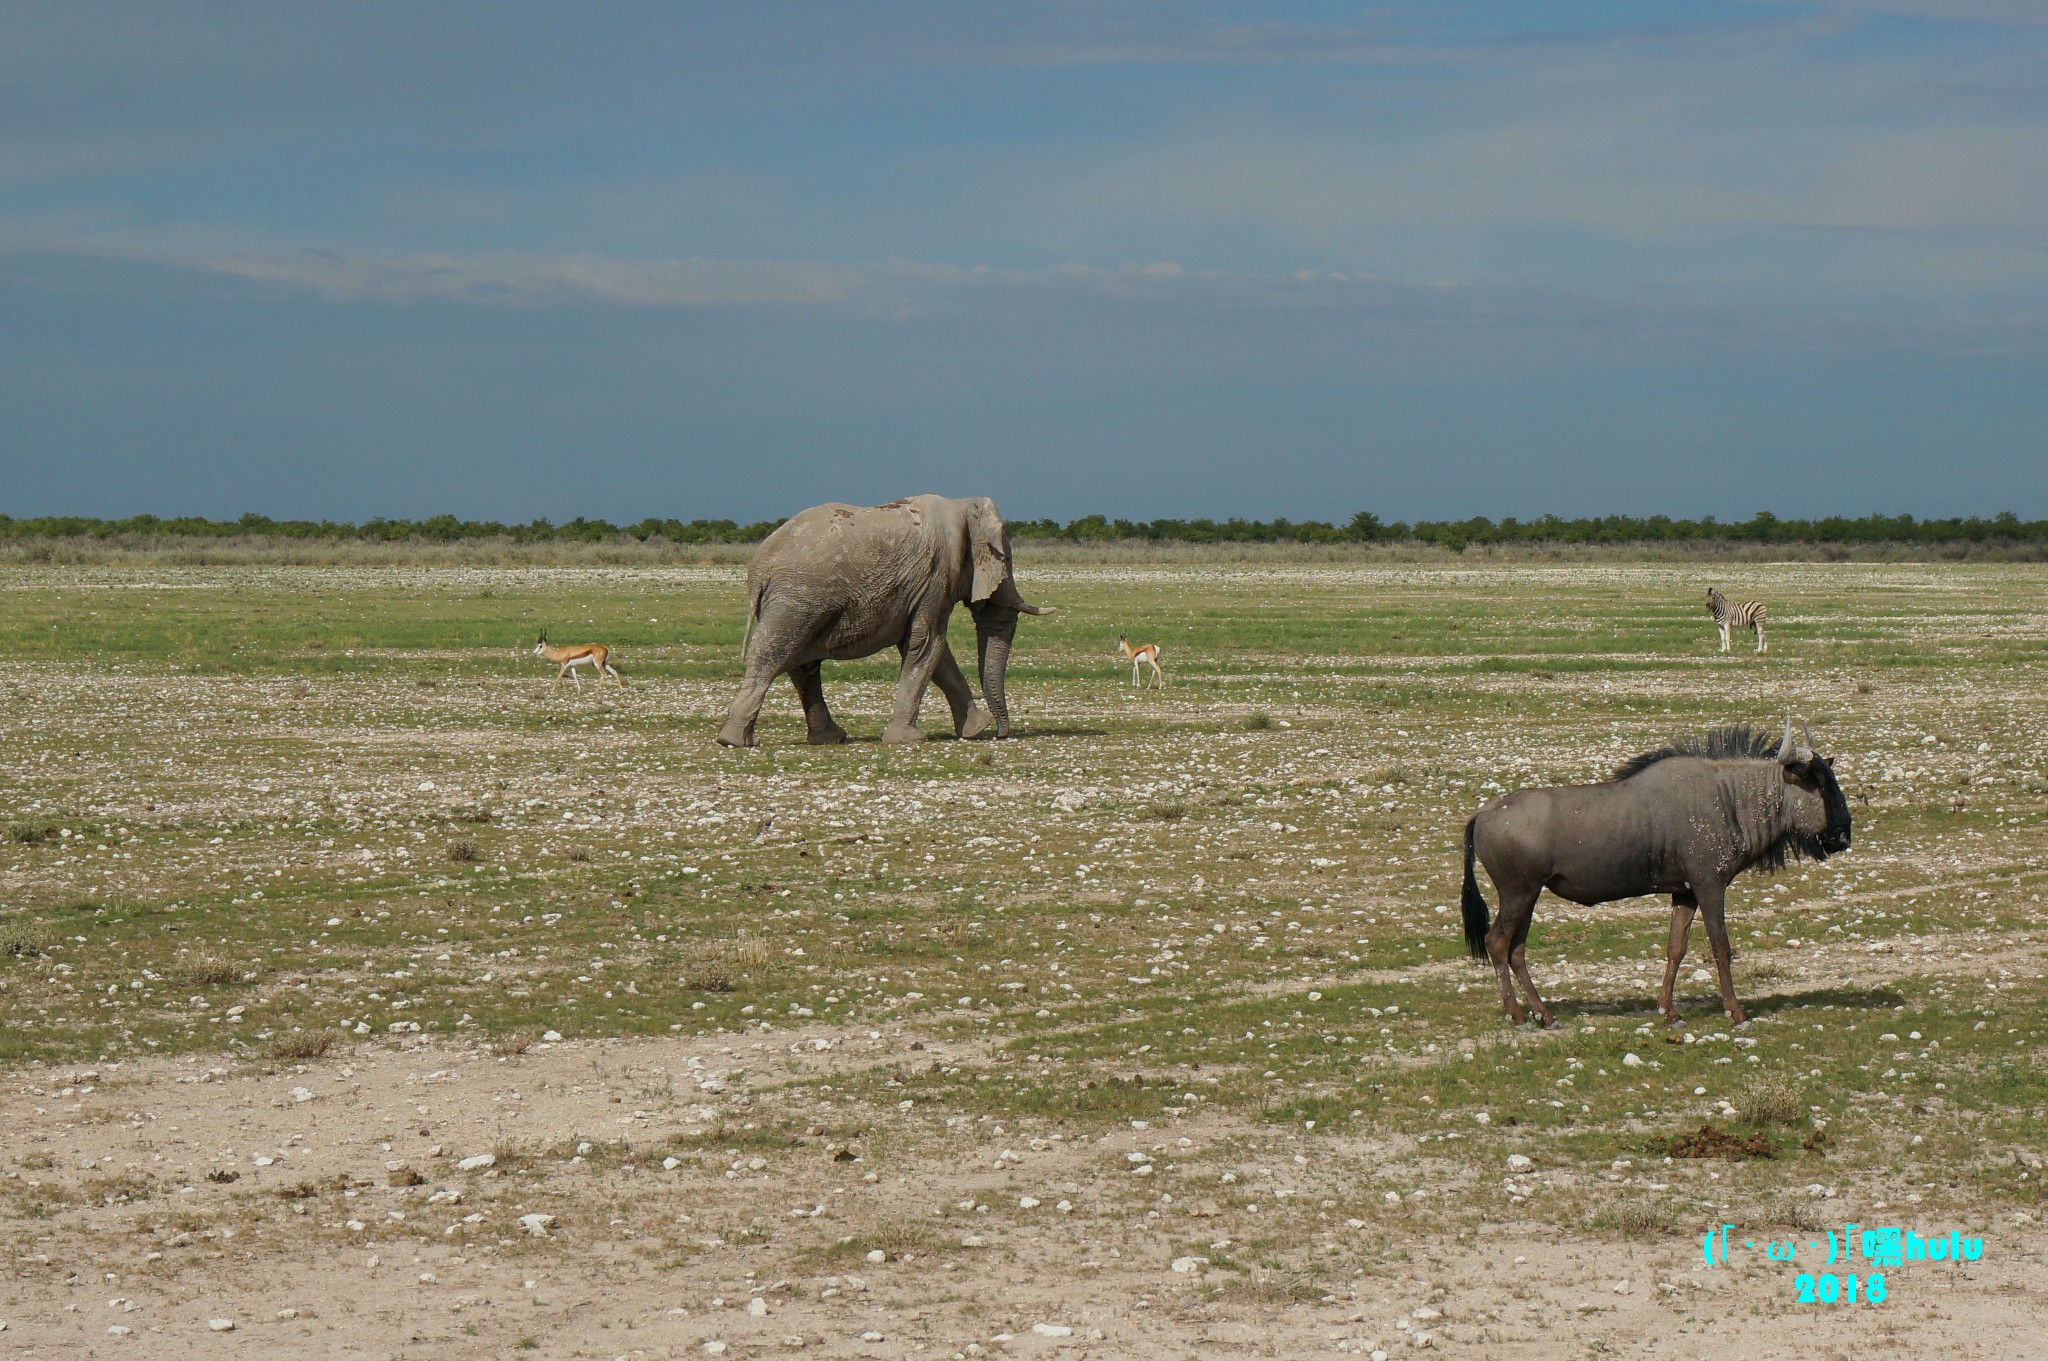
1835	838
1832	839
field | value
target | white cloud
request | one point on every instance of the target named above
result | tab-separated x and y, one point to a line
1296	314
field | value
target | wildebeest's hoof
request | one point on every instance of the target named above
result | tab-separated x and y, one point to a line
827	737
902	732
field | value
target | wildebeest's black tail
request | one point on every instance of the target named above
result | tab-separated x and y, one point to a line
1475	903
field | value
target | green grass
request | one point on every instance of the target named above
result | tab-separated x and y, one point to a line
1237	895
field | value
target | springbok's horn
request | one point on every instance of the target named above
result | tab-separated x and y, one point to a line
1785	747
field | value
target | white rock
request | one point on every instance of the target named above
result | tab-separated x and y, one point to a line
552	1037
1190	1266
536	1224
671	1164
301	1094
221	1325
1621	1287
871	1336
1027	1202
1631	1061
120	1330
715	1347
1519	1163
757	1306
477	1162
1425	1314
1052	1330
1392	1197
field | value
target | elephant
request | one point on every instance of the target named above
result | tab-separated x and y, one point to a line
838	582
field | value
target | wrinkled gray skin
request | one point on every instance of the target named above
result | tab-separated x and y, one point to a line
1683	821
838	582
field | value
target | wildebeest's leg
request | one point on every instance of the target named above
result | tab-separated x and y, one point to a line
1518	959
1712	901
1504	943
1683	905
969	718
819	727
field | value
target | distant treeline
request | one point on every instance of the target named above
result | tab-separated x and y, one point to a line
438	529
1366	527
1761	529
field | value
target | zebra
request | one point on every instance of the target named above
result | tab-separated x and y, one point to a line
1750	614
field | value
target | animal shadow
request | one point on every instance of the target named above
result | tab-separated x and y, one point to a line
1645	1004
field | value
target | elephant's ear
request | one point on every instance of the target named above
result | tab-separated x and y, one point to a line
991	555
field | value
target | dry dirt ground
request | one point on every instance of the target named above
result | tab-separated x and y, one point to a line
391	1004
319	1248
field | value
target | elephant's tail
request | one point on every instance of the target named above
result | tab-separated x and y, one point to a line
753	613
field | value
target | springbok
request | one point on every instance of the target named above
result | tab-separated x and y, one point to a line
1144	654
594	655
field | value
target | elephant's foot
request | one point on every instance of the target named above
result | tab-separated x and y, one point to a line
978	722
902	732
828	735
737	735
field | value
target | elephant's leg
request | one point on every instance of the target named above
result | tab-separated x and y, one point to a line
810	692
969	718
746	706
920	658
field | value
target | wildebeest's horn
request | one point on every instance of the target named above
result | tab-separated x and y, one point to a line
1805	735
1785	747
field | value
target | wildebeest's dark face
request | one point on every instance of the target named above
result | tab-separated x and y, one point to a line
1820	811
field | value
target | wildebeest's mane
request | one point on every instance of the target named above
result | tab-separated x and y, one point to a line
1735	742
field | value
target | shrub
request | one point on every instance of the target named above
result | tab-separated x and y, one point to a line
209	972
1772	1101
1636	1218
298	1046
18	938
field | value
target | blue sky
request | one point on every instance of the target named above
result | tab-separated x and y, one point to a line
510	260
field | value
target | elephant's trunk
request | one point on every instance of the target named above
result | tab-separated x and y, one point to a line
994	635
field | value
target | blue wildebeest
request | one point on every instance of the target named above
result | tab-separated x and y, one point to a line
1684	820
